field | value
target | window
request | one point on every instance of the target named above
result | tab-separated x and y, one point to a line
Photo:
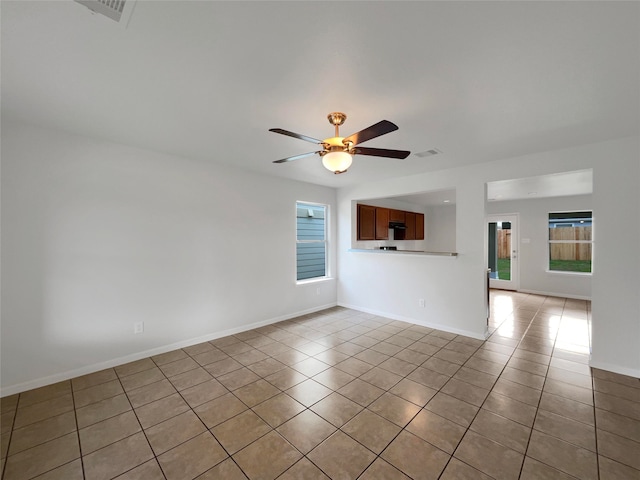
311	241
570	241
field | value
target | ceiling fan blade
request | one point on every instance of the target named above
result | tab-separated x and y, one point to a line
380	128
382	152
295	135
296	157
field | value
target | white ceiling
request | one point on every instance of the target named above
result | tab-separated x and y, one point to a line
479	81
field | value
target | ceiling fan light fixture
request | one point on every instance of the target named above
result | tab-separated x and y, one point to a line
337	152
337	162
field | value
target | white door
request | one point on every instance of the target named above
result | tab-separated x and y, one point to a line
502	231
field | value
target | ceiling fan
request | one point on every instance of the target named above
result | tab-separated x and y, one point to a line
337	152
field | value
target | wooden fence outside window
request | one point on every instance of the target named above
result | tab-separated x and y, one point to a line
572	250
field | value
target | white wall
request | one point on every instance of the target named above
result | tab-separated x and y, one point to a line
440	227
392	284
534	256
454	288
97	236
616	279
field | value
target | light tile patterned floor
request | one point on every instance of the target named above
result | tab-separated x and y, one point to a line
343	394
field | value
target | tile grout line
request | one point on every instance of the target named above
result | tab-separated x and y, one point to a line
452	454
140	424
207	429
468	428
593	408
595	418
541	389
13	423
75	418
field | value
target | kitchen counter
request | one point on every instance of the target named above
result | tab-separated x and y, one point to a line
403	252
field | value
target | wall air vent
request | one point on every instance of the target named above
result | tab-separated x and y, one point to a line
428	153
118	10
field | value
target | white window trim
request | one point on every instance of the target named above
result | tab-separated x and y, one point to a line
327	275
326	278
576	274
550	242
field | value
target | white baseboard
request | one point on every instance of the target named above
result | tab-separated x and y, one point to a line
437	326
96	367
554	294
631	372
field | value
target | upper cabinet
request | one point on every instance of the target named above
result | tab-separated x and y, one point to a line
419	226
421	221
366	222
410	222
396	216
382	223
373	223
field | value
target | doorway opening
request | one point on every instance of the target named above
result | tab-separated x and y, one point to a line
502	255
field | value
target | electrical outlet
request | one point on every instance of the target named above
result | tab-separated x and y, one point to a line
421	302
318	291
138	327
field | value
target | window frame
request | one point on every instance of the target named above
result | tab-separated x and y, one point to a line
325	241
578	242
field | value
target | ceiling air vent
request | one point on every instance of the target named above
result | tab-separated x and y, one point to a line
428	153
117	10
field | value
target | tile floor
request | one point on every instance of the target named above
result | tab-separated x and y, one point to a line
342	394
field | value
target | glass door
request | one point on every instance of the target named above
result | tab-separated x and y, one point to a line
502	231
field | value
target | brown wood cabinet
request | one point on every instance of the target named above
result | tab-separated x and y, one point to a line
382	223
419	226
366	222
373	223
396	216
410	222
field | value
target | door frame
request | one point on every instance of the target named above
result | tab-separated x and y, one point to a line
514	219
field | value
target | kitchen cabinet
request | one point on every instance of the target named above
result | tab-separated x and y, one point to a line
419	226
366	222
396	216
410	222
373	223
382	223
